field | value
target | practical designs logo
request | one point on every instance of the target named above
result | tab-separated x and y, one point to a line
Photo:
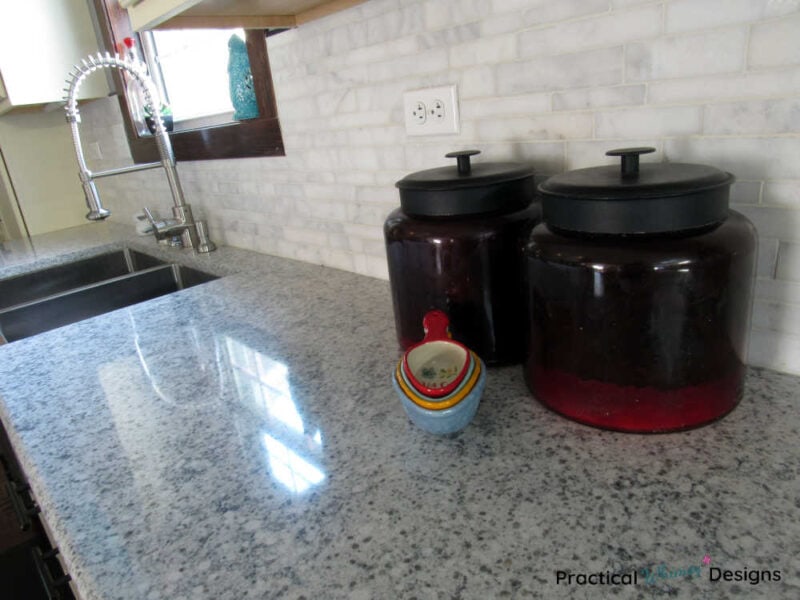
662	573
652	575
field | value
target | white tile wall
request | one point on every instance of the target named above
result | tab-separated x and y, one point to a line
775	42
695	54
550	83
788	267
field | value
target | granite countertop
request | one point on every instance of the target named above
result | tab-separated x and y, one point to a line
241	439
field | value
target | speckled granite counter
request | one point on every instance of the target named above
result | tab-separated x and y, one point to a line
241	440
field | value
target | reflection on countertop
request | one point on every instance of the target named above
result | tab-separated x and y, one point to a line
241	439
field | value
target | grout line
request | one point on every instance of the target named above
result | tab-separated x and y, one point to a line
745	65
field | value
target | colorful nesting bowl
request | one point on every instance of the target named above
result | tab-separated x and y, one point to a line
437	365
447	414
440	413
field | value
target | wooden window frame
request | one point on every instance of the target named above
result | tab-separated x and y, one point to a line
239	139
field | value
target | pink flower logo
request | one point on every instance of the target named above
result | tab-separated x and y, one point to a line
706	560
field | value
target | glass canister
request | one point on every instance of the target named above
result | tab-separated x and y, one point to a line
455	244
639	287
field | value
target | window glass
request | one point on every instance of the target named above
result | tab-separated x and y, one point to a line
194	71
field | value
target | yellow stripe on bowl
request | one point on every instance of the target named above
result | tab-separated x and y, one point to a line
448	401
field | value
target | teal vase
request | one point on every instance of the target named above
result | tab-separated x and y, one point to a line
243	95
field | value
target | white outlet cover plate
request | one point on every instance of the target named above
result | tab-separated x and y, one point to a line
448	123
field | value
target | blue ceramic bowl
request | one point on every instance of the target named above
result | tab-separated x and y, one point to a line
461	404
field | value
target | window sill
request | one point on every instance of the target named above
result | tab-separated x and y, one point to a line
240	139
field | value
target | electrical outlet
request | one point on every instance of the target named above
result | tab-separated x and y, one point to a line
439	108
419	112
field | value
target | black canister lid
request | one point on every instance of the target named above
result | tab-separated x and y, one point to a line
634	198
466	188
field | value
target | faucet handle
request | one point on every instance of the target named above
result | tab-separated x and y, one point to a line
165	230
159	225
151	218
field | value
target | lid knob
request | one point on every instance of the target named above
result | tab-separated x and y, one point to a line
630	159
462	156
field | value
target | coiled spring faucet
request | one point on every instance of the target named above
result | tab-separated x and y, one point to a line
193	234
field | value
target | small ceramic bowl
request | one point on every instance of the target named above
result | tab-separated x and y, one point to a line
441	402
437	365
450	413
456	393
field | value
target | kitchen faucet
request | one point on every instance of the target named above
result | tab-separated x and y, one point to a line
193	234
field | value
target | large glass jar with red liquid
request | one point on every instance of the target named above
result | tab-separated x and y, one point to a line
639	290
456	244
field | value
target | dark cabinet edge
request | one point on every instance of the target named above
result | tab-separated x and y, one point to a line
38	547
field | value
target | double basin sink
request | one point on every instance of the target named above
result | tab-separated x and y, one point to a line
42	300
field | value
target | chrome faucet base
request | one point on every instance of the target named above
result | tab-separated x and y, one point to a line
204	244
100	214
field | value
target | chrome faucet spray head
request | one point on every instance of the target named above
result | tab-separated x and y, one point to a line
96	210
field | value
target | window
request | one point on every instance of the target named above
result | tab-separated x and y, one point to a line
190	68
260	136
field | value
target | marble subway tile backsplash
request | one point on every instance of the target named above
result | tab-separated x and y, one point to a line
554	84
752	117
598	31
788	268
588	68
691	15
599	97
668	121
697	54
776	42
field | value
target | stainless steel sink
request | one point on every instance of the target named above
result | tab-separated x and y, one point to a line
73	292
47	282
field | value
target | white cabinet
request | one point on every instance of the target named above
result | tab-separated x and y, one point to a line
254	14
39	186
40	40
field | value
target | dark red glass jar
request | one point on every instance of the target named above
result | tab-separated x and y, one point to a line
456	244
644	330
